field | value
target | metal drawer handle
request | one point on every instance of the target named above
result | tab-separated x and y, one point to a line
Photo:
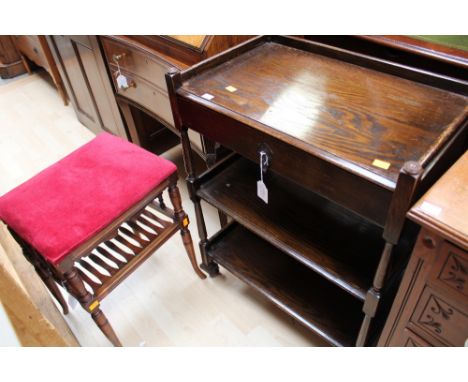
117	57
429	242
266	156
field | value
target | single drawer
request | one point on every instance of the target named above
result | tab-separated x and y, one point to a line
31	47
441	318
312	172
451	270
145	94
145	65
410	339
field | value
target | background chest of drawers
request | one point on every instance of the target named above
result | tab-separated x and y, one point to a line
431	307
144	102
11	64
36	49
84	73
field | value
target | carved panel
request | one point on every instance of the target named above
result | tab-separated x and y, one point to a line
410	339
439	317
454	273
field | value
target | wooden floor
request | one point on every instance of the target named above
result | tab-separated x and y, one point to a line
163	303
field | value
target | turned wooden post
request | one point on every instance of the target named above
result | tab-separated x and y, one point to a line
46	276
161	201
402	199
173	81
79	291
181	217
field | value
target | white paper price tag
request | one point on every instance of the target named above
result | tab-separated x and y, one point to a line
431	209
208	96
122	82
262	191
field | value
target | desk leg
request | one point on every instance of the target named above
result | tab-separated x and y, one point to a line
129	121
373	295
409	177
209	147
207	265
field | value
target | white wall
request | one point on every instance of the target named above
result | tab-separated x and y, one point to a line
7	333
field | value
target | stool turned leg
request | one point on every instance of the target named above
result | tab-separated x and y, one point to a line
182	218
44	273
49	281
56	292
161	201
78	290
101	321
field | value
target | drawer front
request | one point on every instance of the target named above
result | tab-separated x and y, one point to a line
451	270
314	173
146	95
31	47
410	339
441	318
138	63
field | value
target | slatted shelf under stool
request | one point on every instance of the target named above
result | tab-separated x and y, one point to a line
92	218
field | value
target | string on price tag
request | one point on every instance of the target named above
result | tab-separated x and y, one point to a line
262	190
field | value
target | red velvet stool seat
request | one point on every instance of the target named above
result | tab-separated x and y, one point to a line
90	219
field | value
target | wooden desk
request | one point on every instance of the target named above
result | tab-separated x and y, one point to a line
431	307
144	60
350	142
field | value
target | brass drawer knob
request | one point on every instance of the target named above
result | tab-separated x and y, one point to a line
117	57
429	242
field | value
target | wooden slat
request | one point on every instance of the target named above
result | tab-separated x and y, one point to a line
122	240
138	228
94	285
94	271
134	236
108	255
164	223
112	270
150	224
166	211
119	250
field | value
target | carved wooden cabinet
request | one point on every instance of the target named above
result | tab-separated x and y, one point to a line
431	307
11	64
143	100
87	82
36	49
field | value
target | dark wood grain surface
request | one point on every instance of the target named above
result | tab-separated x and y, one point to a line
301	224
352	112
317	304
323	115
